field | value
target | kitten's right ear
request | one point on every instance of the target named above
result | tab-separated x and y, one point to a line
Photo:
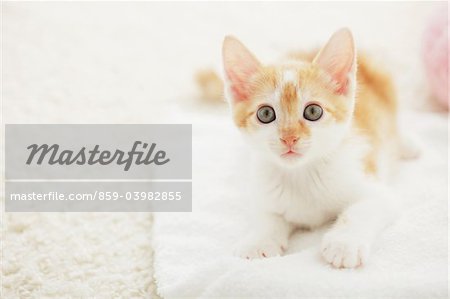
338	59
239	65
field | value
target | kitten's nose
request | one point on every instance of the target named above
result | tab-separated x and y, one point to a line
289	140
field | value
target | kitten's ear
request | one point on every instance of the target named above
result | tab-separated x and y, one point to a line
239	65
338	59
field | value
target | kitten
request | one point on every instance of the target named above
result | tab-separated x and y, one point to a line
319	140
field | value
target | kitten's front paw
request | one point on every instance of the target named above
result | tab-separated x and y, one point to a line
344	249
260	248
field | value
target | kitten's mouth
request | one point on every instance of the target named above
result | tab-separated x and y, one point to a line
291	154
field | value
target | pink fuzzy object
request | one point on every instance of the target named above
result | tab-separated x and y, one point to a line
435	55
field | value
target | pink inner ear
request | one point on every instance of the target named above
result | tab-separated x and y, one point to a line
240	85
340	70
337	58
238	88
342	77
342	88
240	65
339	67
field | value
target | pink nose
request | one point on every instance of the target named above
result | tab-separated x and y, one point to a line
289	140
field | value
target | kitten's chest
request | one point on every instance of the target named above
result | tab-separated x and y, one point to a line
306	199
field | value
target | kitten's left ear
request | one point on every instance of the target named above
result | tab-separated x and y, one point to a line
338	59
240	65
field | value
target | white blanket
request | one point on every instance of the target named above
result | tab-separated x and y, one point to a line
193	251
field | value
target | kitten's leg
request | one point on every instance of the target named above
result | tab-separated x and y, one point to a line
268	238
348	242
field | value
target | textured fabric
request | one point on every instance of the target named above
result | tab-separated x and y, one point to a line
193	251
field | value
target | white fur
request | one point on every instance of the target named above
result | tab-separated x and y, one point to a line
311	195
290	76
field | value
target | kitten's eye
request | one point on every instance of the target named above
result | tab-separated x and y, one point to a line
313	112
266	114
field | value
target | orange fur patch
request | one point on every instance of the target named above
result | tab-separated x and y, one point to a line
298	129
375	111
288	99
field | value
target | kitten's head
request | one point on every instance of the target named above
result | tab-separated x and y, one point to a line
297	111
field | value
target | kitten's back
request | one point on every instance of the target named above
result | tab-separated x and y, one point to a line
376	112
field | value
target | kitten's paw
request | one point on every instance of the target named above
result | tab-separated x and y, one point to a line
343	249
261	248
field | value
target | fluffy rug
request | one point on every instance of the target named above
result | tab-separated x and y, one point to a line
79	255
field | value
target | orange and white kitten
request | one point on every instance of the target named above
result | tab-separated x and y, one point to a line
319	140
